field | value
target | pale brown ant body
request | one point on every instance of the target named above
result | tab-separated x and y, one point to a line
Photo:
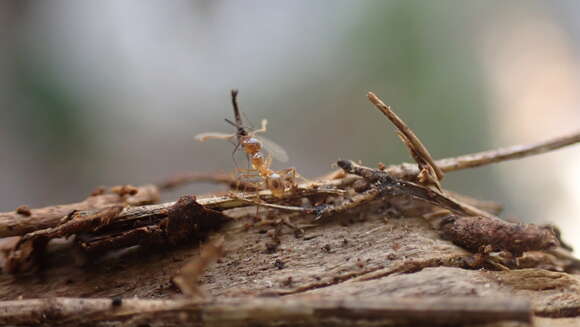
277	181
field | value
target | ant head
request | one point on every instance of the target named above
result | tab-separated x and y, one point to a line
241	130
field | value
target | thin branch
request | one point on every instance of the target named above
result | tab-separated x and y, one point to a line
418	150
508	153
483	158
218	178
409	171
383	311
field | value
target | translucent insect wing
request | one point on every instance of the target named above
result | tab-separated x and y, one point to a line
274	149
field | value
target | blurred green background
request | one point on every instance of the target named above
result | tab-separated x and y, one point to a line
111	92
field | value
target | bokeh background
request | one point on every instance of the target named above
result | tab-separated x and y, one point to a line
111	92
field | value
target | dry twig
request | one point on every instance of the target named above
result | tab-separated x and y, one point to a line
483	158
429	173
218	178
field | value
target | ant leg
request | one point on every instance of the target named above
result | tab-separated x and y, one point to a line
234	155
263	128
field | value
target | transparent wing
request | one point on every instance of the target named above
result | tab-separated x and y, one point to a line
274	149
202	137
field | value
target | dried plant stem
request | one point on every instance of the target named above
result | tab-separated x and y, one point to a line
218	178
508	153
418	150
483	158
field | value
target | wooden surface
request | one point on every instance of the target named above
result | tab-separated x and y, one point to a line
381	253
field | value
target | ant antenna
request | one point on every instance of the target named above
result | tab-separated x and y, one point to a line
238	124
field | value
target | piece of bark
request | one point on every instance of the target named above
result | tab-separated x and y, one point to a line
361	254
474	233
30	248
14	224
185	220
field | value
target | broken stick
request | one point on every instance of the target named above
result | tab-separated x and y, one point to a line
429	173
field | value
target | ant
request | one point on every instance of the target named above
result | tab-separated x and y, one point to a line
277	181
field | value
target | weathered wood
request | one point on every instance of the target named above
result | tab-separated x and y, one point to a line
379	311
369	254
379	263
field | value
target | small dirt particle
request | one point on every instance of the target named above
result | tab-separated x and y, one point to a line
98	191
288	281
24	210
123	190
271	247
279	264
359	263
326	248
116	301
360	186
